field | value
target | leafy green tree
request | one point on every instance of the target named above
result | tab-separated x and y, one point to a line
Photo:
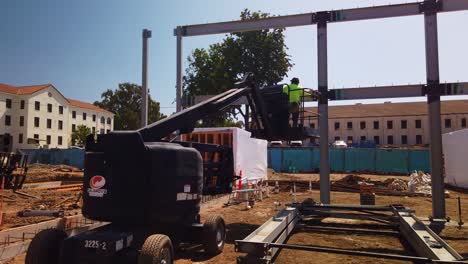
80	134
125	102
214	70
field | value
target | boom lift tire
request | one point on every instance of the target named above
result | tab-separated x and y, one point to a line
214	234
156	249
45	247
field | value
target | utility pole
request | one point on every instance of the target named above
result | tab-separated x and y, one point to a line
144	79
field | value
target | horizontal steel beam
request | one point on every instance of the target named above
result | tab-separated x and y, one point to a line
423	240
415	90
344	15
354	252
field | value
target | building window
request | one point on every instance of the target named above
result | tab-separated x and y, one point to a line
101	131
21	121
36	136
404	124
448	123
73	127
389	124
59	140
36	122
404	140
60	109
350	139
49	123
84	116
49	108
363	138
103	120
60	124
94	118
376	124
8	103
109	121
418	123
108	131
7	120
337	138
463	123
312	125
20	138
377	140
94	130
73	114
337	125
390	140
363	124
22	104
349	125
49	139
37	105
418	139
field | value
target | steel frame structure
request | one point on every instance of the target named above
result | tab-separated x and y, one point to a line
264	244
433	89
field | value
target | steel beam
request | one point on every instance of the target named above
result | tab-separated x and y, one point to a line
144	79
275	230
453	5
179	74
344	15
423	240
322	52
433	99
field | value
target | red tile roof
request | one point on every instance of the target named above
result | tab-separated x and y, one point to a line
392	109
27	90
81	104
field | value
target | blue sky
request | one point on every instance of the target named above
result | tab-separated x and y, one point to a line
85	47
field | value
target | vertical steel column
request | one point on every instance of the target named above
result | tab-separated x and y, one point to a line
323	106
179	70
144	79
433	100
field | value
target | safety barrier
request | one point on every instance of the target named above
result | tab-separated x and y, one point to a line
72	157
388	161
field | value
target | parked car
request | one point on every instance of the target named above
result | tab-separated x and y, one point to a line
295	143
339	144
276	143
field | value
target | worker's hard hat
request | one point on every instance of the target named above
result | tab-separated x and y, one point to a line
295	80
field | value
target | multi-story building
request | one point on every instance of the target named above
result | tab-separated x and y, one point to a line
391	123
39	115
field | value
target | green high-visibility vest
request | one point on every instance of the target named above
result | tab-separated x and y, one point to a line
294	91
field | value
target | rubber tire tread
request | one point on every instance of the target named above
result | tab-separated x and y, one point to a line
45	247
210	227
151	250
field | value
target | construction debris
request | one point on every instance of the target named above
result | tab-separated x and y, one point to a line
420	182
50	213
397	185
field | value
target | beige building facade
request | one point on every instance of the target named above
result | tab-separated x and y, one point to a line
40	116
401	124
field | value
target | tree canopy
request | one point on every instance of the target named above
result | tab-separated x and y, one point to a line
80	134
214	70
125	103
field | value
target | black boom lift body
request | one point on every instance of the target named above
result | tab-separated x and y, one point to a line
143	185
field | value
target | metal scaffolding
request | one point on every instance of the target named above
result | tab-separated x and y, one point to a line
433	89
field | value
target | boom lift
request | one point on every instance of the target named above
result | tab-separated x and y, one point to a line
149	190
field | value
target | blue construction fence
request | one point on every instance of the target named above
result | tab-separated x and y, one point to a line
385	161
72	157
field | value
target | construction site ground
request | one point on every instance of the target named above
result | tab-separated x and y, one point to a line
242	221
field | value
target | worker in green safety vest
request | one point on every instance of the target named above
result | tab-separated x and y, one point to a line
294	91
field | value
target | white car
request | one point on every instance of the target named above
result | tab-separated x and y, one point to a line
295	143
276	143
339	144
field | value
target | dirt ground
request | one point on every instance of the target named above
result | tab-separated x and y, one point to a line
241	222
